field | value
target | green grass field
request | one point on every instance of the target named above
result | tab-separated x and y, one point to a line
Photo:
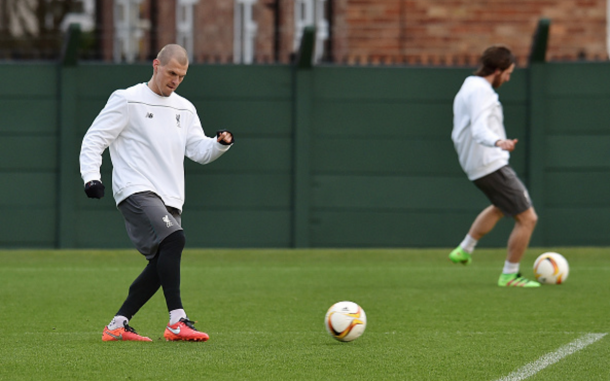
428	319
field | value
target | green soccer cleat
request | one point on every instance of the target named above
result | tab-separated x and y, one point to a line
516	280
458	255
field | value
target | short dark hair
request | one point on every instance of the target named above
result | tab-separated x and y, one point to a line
174	51
495	57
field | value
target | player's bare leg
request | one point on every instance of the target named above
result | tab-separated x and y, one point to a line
519	239
518	242
485	222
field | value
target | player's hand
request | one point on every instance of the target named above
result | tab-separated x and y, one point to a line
507	144
225	137
94	189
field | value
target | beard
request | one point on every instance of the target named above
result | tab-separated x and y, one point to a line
497	81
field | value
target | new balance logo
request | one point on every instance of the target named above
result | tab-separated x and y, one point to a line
167	221
149	115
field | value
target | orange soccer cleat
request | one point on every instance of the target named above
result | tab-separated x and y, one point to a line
125	333
184	330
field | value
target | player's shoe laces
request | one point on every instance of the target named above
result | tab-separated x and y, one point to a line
516	280
125	333
184	330
458	255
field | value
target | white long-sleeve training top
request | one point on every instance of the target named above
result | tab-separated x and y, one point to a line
478	123
148	136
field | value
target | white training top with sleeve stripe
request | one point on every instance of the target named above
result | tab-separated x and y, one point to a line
148	136
478	123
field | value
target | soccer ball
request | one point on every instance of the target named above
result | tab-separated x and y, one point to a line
345	321
551	268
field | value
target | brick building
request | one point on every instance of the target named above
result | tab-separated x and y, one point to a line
449	32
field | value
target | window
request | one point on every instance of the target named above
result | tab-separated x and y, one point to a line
128	30
311	12
184	25
244	32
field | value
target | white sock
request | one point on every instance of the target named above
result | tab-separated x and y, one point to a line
176	315
468	244
117	322
510	268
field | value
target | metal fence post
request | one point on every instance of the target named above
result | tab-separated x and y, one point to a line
67	155
536	142
303	99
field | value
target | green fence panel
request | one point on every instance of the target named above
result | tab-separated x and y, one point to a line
385	172
326	156
29	155
574	134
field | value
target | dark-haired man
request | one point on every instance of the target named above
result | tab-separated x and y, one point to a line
483	149
149	129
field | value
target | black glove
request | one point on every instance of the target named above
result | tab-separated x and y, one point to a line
222	141
94	189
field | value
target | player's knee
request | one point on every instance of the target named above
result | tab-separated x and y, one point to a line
176	240
531	216
497	211
534	217
528	218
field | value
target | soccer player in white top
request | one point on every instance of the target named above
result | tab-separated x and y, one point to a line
483	149
149	129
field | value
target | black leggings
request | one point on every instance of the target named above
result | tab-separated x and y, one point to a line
162	271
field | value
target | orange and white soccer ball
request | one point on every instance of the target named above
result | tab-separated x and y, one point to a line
345	321
551	268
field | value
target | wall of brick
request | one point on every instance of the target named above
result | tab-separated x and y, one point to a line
213	40
437	31
446	32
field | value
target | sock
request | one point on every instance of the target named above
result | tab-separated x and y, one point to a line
468	244
176	315
510	268
117	322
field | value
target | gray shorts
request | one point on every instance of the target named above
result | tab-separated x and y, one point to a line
505	191
148	221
